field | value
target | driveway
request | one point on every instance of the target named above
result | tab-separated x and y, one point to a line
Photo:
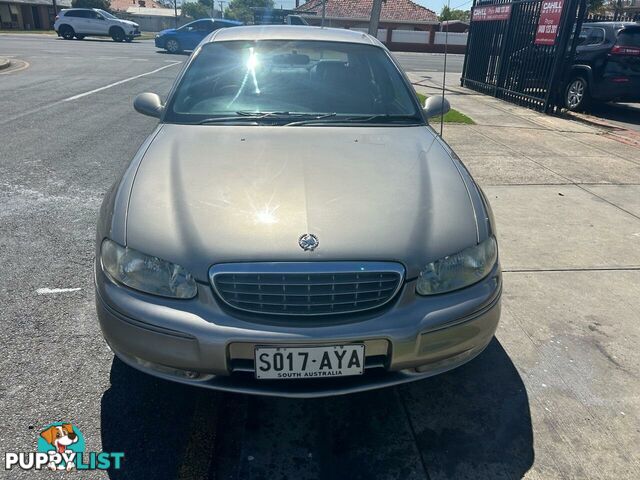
622	115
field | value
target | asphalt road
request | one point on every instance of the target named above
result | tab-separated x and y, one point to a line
66	131
623	115
429	62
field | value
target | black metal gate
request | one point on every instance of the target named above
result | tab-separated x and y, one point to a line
521	50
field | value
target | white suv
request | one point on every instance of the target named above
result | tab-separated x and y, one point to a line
83	22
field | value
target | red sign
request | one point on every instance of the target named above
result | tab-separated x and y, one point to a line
550	13
491	12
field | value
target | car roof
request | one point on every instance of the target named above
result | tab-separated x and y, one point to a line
609	24
291	32
224	20
216	20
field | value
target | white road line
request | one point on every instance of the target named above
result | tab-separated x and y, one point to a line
48	291
4	121
120	82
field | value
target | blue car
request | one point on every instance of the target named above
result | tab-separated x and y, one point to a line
188	36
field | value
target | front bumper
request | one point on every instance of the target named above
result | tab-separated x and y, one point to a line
198	343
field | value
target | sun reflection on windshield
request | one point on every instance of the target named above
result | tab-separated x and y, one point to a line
252	63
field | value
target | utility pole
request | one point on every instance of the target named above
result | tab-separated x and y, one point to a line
375	17
55	14
222	8
324	11
175	11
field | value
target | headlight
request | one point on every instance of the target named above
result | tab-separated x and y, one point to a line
459	270
146	273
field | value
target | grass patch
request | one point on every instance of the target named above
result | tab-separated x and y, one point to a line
452	116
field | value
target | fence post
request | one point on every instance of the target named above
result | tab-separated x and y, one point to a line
466	55
503	46
573	15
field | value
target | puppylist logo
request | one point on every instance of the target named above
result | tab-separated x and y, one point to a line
61	447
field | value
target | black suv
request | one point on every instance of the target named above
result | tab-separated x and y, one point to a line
606	66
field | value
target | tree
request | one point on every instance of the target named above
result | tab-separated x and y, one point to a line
242	9
101	4
605	7
199	9
596	6
448	14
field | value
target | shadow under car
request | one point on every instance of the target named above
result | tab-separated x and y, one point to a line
472	422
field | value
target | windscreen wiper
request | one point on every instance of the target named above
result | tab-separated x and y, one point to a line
241	115
383	118
254	116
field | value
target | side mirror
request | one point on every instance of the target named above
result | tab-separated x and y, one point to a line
148	104
436	106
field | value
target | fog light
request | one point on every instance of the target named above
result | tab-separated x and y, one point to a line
445	362
174	372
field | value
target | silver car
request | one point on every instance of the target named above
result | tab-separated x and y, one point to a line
293	226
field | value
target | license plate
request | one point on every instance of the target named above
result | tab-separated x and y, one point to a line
309	362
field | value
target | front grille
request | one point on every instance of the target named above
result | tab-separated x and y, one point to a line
307	288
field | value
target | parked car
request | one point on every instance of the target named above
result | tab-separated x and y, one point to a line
295	20
294	226
84	22
190	35
606	66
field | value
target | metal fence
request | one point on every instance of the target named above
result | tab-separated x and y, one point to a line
616	17
519	51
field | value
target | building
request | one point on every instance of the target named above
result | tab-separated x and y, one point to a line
151	15
455	26
404	25
125	5
29	14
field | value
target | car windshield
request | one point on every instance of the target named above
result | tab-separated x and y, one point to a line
273	80
105	14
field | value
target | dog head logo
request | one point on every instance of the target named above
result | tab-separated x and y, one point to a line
63	439
60	437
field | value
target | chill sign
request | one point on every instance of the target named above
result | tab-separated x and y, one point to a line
550	13
491	13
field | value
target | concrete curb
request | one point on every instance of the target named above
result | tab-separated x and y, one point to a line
620	134
4	63
589	120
